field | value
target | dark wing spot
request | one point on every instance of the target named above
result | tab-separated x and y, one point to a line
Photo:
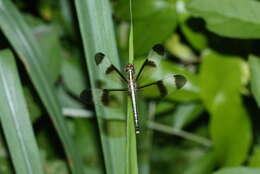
99	57
162	88
105	97
150	63
110	69
108	99
99	84
158	48
180	81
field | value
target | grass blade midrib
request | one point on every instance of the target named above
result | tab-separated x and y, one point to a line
16	125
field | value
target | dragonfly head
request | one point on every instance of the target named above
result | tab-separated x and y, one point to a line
129	67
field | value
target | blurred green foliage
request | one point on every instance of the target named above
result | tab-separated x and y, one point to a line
214	44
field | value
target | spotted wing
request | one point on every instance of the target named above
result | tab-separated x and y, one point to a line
149	66
162	88
107	68
107	97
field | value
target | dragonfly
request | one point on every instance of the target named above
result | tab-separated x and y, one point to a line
132	83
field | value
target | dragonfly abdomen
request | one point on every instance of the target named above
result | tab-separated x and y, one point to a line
132	92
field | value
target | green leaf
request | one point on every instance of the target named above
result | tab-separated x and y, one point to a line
15	119
48	38
227	132
153	30
141	9
50	45
224	17
92	156
180	50
221	83
73	75
96	28
154	21
238	170
29	51
216	76
195	37
254	63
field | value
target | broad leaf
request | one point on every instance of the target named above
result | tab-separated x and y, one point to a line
154	21
149	7
195	37
73	75
221	83
153	30
47	35
231	18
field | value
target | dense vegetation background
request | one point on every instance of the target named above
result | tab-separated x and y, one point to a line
46	60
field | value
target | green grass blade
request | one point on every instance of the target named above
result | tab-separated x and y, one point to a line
131	156
131	36
131	151
19	35
15	119
96	28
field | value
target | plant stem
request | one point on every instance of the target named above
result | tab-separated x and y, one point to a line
76	112
180	133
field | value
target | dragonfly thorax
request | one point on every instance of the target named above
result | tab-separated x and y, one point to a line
130	70
129	67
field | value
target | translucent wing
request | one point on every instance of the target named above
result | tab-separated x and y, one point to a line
107	68
151	64
162	88
107	97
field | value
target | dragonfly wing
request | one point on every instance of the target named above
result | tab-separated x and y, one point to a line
162	88
107	68
151	64
107	97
